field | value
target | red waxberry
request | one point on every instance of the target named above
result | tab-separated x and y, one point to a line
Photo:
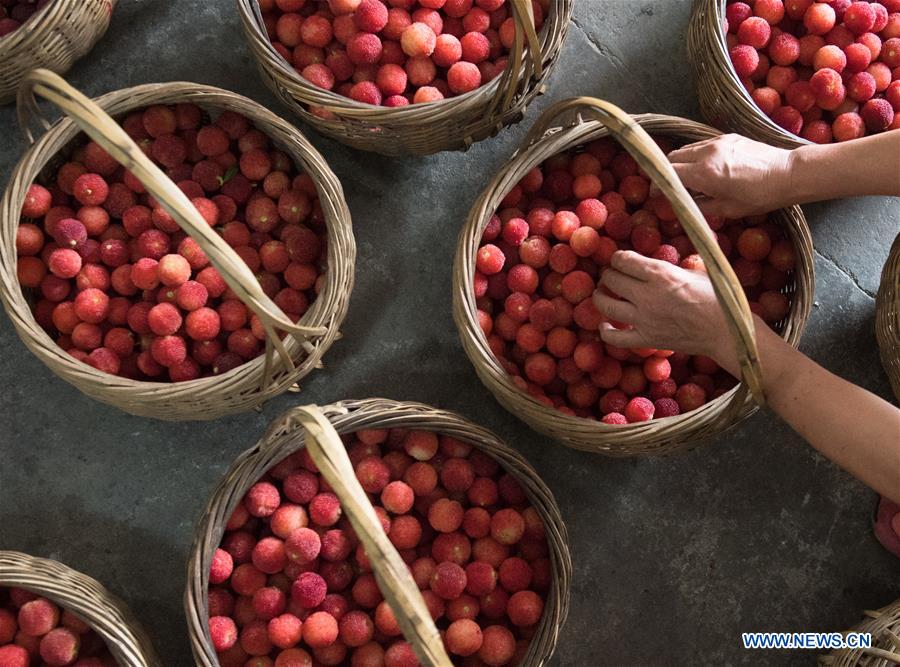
308	590
448	580
90	189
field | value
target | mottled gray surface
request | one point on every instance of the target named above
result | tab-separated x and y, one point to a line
673	557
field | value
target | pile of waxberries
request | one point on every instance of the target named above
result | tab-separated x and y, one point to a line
35	631
541	258
121	287
13	13
395	52
291	581
826	71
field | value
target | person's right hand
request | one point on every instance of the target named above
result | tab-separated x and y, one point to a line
738	176
666	307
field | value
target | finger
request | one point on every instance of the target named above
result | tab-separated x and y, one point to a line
713	206
632	264
615	309
724	208
691	174
625	338
623	285
692	152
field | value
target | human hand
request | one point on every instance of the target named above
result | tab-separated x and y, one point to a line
737	175
667	307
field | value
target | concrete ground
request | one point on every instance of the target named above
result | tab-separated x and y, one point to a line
674	557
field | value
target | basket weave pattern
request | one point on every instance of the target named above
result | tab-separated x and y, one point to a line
86	598
244	387
54	38
724	102
656	436
884	626
284	437
417	129
887	317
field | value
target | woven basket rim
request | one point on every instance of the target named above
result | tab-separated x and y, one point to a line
190	384
706	53
202	95
43	19
372	112
55	37
560	138
454	123
884	626
351	415
99	608
32	22
887	317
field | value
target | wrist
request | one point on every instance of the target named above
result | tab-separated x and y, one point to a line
725	350
776	357
725	354
720	344
800	177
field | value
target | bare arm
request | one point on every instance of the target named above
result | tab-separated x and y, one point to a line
851	426
671	308
739	176
867	166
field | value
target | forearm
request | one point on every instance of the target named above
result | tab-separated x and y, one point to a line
867	166
851	426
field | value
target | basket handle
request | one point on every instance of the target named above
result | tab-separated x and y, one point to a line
394	579
526	35
654	162
98	125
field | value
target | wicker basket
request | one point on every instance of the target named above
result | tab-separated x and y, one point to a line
54	38
884	626
887	317
657	436
724	102
421	129
246	386
86	598
286	435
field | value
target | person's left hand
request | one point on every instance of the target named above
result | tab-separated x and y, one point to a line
737	175
667	307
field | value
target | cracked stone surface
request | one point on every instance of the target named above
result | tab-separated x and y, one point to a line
674	557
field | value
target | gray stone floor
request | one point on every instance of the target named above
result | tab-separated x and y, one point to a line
674	557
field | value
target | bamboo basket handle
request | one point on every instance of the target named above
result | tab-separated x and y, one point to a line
396	583
95	122
523	15
653	161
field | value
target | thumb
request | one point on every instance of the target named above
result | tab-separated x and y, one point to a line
692	175
624	338
724	208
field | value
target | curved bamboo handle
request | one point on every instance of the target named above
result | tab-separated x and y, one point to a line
523	15
97	124
396	583
653	161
